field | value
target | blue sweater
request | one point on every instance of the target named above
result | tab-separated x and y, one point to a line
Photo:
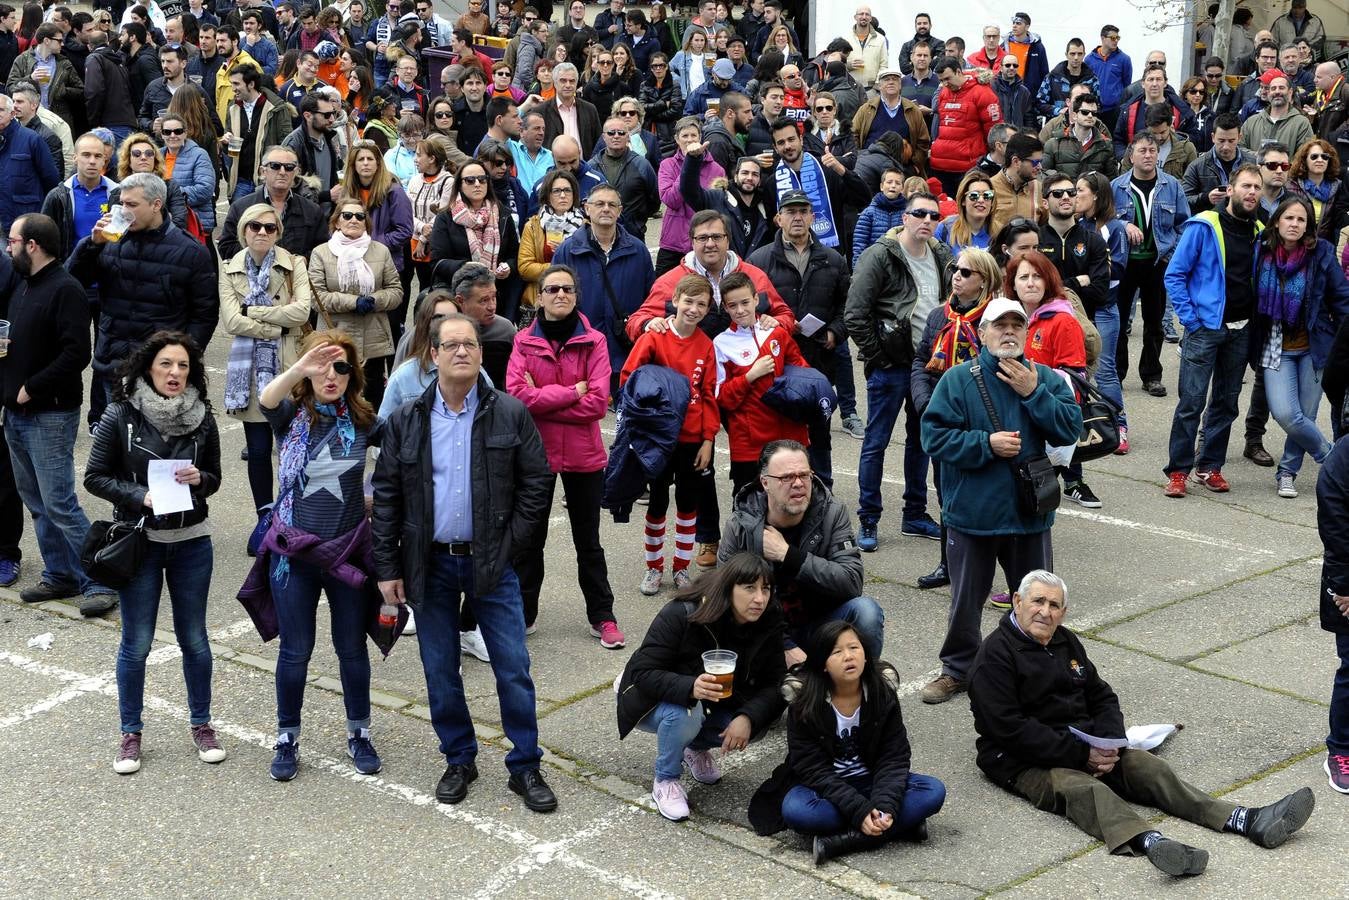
878	218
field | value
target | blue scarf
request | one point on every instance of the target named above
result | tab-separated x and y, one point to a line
256	357
1281	285
811	180
1316	191
294	455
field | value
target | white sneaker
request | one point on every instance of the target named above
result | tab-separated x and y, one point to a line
471	643
651	580
1284	481
670	799
702	766
411	626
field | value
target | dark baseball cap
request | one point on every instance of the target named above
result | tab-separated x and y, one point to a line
794	198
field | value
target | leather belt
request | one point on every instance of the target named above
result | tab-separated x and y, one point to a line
458	548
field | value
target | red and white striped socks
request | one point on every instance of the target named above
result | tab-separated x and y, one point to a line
655	543
686	525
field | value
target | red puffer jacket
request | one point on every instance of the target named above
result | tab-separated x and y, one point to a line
964	118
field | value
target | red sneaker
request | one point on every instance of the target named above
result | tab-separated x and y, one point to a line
1213	480
1176	486
1123	442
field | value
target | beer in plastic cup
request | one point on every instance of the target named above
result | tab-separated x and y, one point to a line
4	338
117	225
720	664
235	145
714	106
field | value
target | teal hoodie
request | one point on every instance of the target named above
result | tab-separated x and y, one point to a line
978	491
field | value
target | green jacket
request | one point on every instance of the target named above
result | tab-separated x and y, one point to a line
881	298
66	90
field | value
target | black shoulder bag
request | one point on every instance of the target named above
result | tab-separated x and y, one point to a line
1037	482
620	317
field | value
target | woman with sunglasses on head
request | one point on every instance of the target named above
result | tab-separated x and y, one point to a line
356	284
969	226
319	538
1316	175
663	101
161	412
477	228
368	180
138	153
191	168
1016	238
264	303
559	368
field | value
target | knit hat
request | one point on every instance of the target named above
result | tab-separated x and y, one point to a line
1274	74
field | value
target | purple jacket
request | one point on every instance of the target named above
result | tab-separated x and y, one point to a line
568	423
674	227
391	224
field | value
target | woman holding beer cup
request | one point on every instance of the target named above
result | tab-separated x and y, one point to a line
682	686
846	780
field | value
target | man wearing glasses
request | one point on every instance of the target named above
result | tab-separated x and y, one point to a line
629	174
1013	96
1114	69
436	28
315	146
798	526
1328	107
303	224
1084	145
1015	187
449	516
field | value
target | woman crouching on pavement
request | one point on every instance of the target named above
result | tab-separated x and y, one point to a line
319	538
161	413
666	688
846	781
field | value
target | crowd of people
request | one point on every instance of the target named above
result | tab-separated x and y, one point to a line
432	278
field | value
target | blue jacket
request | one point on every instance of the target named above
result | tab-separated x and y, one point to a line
587	176
264	53
195	174
1037	62
878	218
1015	99
651	410
1196	276
1332	523
27	172
630	273
802	394
696	104
1170	209
1116	73
1325	305
1052	97
956	428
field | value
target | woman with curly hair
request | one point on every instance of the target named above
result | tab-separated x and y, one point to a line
140	153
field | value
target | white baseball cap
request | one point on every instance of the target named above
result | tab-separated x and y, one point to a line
999	307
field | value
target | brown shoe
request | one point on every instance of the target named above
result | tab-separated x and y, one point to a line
1257	454
943	688
707	555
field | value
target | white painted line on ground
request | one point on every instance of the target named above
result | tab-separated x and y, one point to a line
538	857
543	852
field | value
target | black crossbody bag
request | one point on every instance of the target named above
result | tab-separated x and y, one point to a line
1037	482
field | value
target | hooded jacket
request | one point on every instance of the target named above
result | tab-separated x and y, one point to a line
1064	153
963	119
1015	99
1052	98
1035	64
660	301
875	222
674	225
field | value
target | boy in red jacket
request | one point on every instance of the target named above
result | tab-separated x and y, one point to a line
748	359
679	344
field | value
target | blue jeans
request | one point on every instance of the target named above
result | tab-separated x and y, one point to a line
242	189
863	613
297	600
186	566
677	727
1106	320
120	133
845	384
501	617
804	810
1294	393
1337	742
1207	355
887	393
42	451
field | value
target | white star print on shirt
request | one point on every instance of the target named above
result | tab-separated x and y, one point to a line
325	473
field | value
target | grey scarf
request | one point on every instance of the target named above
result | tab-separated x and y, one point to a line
171	416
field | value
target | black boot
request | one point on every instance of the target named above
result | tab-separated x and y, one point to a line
938	577
829	846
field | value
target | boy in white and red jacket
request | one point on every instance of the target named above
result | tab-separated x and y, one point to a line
749	357
679	344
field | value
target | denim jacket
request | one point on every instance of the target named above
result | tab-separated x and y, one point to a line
1170	209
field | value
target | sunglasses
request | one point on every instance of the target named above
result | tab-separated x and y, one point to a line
823	108
628	112
353	216
1196	90
555	289
979	195
473	179
262	227
172	132
342	367
929	214
1278	166
1311	157
279	166
142	154
964	272
444	114
615	132
1060	193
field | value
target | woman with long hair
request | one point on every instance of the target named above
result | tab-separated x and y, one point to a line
559	368
663	102
429	191
319	540
1096	206
190	167
440	118
161	411
1015	239
847	781
287	67
1316	175
662	29
360	87
368	180
951	337
543	80
356	283
765	70
413	367
559	216
692	64
626	73
265	300
783	41
140	153
674	225
28	25
969	226
477	228
1301	297
202	126
665	688
602	87
1194	94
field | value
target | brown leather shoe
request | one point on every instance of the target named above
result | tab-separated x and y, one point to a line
943	688
1257	454
707	555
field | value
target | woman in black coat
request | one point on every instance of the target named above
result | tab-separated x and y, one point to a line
664	103
1332	520
665	690
846	780
477	227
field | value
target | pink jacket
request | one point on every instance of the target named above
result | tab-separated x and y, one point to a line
674	227
568	422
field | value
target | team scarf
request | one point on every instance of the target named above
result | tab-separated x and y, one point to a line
958	339
811	180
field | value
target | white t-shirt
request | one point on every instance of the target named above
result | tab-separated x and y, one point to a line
849	763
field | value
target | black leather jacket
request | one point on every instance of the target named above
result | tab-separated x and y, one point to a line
124	444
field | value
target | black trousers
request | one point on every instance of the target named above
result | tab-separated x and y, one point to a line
667	260
583	491
11	507
374	380
1144	277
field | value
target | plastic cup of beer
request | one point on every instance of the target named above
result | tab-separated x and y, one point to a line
714	106
235	145
195	79
4	338
117	224
720	664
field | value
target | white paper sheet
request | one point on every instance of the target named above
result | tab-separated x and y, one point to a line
811	324
167	494
1099	743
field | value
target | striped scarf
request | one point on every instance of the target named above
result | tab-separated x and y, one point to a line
294	455
958	339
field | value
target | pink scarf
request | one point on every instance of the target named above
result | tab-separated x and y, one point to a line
483	229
